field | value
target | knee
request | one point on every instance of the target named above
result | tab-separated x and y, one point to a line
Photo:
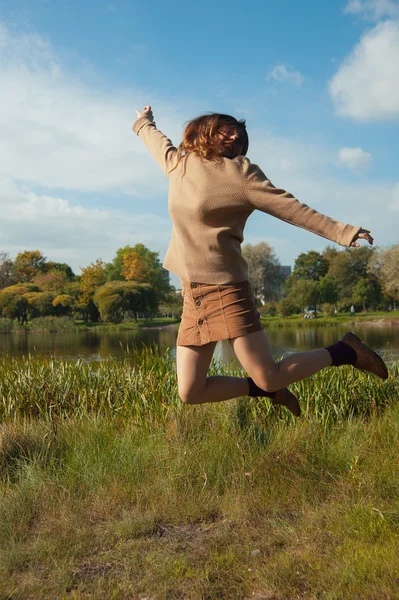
267	379
189	395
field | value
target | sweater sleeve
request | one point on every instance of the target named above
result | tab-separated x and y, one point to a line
157	143
262	195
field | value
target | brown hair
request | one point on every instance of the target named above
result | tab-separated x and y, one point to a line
202	137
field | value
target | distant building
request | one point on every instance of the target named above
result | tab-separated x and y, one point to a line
165	275
286	271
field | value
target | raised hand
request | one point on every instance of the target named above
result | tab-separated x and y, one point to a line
364	234
146	112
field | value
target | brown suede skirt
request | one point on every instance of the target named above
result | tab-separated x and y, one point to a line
217	312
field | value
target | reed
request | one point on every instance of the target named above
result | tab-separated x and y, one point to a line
142	388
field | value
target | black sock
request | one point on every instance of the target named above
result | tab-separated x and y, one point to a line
342	354
257	392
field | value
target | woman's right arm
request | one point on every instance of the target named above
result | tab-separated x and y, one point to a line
157	143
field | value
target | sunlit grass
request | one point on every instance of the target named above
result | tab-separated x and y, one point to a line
110	488
143	388
199	508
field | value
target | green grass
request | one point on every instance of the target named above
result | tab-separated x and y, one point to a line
128	325
321	321
110	488
143	389
200	509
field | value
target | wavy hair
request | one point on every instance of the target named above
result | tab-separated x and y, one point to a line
203	137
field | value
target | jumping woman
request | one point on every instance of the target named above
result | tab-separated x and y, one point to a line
213	189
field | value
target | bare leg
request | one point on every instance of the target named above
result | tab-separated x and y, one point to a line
254	353
195	387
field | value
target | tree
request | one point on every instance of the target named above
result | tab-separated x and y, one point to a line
52	281
27	265
93	277
328	289
264	271
310	265
58	267
172	305
6	266
115	299
40	304
134	268
385	266
14	304
149	268
367	292
304	293
348	267
64	304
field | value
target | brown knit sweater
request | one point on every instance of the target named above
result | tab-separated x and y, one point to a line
210	202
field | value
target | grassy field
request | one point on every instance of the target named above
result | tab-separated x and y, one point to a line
111	489
322	321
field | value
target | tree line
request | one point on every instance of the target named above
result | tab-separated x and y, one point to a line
134	283
365	277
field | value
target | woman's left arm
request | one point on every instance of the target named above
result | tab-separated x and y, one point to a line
262	195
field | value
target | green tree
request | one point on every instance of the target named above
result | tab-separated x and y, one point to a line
264	271
116	299
328	289
304	293
57	267
310	265
13	303
40	304
348	267
64	304
367	292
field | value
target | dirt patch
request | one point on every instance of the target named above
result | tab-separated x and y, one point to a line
379	322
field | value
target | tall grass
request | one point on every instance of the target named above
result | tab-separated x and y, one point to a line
143	388
199	509
110	488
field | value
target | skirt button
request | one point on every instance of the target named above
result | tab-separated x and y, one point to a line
193	285
198	302
200	321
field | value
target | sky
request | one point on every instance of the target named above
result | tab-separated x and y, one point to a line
317	82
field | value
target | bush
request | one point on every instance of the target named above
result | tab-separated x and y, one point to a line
52	324
6	325
328	309
270	309
287	307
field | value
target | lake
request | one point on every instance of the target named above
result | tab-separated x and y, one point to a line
100	345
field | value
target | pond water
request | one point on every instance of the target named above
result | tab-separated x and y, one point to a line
100	345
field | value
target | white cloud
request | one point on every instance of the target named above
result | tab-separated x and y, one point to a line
59	136
366	86
70	232
58	132
354	159
373	9
282	74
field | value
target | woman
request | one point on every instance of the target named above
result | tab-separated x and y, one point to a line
213	188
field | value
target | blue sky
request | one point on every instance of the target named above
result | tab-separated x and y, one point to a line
317	82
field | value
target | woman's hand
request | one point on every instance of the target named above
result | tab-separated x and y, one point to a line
363	234
146	112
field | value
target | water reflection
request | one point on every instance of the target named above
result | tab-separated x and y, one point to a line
99	345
